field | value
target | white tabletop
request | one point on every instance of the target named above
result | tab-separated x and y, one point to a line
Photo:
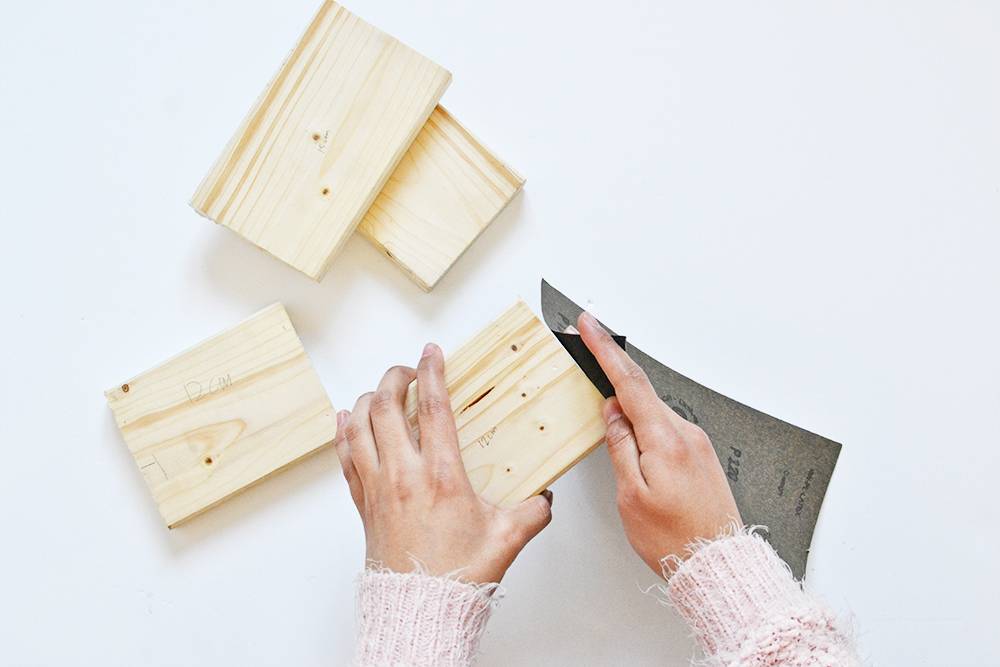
796	205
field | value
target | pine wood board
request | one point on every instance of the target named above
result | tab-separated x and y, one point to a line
321	141
525	411
223	415
446	190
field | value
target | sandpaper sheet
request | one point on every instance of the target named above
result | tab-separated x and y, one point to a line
778	472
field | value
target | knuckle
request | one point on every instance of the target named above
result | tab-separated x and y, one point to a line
444	481
432	407
381	401
678	453
618	434
696	436
347	467
353	431
635	374
401	485
629	497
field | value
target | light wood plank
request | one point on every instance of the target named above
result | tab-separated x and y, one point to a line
223	415
447	189
322	140
525	411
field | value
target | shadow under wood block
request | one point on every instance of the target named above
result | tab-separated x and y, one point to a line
321	141
525	411
223	415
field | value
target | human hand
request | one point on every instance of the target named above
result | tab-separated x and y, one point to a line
671	487
414	495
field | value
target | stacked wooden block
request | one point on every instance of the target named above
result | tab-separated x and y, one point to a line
349	135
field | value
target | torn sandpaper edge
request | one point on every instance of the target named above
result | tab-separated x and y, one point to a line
778	472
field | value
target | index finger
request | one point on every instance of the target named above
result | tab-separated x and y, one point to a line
438	435
638	399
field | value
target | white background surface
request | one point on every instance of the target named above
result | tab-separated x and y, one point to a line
795	204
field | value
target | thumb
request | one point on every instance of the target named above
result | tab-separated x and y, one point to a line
532	515
622	446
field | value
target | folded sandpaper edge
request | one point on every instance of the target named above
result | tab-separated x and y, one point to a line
584	358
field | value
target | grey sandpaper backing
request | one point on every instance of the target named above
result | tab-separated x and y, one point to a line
778	472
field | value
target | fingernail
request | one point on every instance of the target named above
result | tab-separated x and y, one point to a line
342	417
548	496
428	350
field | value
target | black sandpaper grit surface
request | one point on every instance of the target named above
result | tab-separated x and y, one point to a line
778	472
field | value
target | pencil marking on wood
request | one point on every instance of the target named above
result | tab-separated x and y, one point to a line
196	391
223	415
484	440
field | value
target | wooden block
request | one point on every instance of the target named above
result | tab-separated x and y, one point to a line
447	189
525	411
322	140
223	415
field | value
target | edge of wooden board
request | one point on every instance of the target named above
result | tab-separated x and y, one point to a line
279	469
112	394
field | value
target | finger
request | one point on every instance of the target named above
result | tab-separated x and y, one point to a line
622	446
636	395
346	464
532	515
389	425
360	438
438	435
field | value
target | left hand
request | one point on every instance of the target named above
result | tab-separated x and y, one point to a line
414	495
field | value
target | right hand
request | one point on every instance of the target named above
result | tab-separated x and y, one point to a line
671	487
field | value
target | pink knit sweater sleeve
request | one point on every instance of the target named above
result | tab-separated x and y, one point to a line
416	620
746	609
739	597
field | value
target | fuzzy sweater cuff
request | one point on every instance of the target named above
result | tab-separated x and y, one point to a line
417	620
745	607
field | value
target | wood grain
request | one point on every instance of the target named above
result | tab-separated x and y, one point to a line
322	140
223	415
446	190
525	411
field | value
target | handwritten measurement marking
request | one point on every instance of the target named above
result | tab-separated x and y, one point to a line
197	390
321	141
486	438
